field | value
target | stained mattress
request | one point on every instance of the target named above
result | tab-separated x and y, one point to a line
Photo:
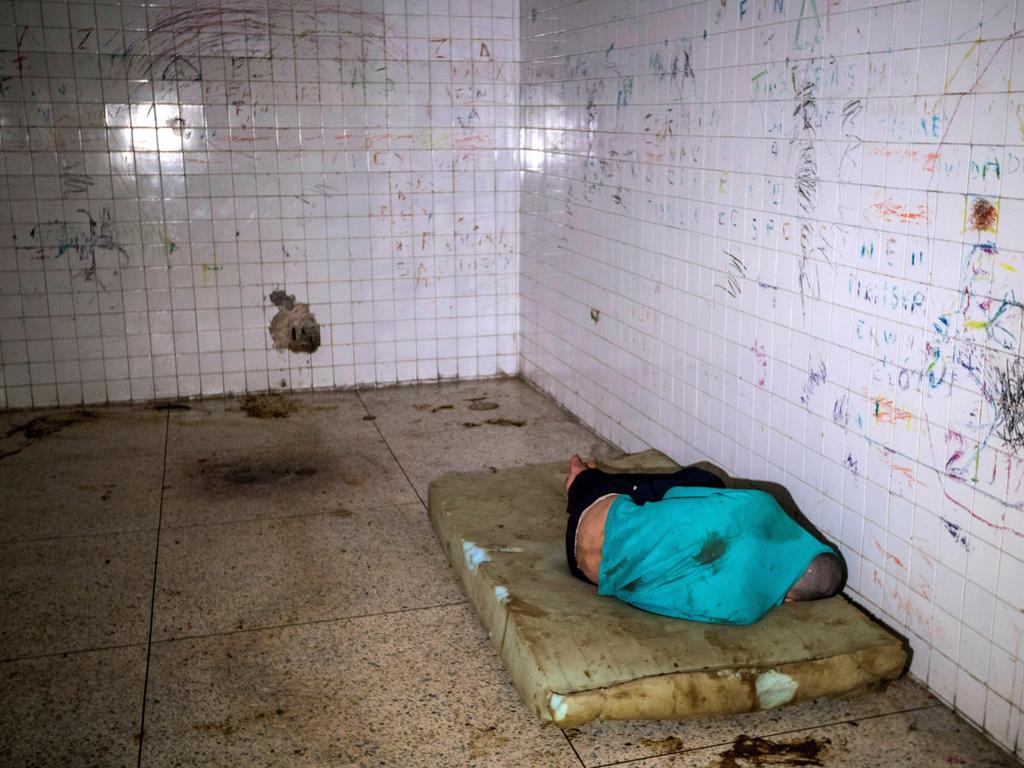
574	656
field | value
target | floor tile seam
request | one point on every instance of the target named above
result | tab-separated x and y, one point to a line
773	734
297	515
153	592
308	623
76	536
391	451
70	652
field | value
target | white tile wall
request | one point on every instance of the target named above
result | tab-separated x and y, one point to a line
788	236
166	165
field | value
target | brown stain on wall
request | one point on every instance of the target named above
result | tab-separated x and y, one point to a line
984	216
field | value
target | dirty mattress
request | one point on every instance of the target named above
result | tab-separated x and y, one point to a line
574	656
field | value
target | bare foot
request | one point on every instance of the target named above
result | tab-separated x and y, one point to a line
576	466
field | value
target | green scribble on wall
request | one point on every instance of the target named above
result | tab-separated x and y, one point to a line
808	26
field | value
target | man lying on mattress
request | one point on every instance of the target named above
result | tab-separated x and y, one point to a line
684	545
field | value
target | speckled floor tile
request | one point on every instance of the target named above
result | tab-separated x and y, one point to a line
280	479
80	709
229	423
72	498
421	688
924	738
429	407
427	455
71	594
601	742
266	573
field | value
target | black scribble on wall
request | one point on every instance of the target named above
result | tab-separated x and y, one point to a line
170	47
807	107
852	465
68	237
807	179
74	183
840	410
851	110
816	376
735	270
957	533
182	69
812	243
851	142
1009	396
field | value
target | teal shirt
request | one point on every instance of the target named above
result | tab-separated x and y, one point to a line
717	555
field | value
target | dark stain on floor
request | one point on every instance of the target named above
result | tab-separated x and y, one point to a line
662	746
227	727
479	404
756	752
432	408
495	423
294	471
42	427
269	406
263	475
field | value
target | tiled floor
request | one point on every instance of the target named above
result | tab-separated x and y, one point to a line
250	591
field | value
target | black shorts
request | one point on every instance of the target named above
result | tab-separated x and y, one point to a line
592	484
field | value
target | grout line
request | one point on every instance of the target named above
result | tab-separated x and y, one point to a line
71	652
572	747
309	623
152	599
775	734
388	446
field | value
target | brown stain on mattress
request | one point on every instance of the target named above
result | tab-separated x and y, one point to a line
755	751
515	605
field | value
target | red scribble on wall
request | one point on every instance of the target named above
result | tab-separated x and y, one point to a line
889	210
887	556
887	412
927	160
